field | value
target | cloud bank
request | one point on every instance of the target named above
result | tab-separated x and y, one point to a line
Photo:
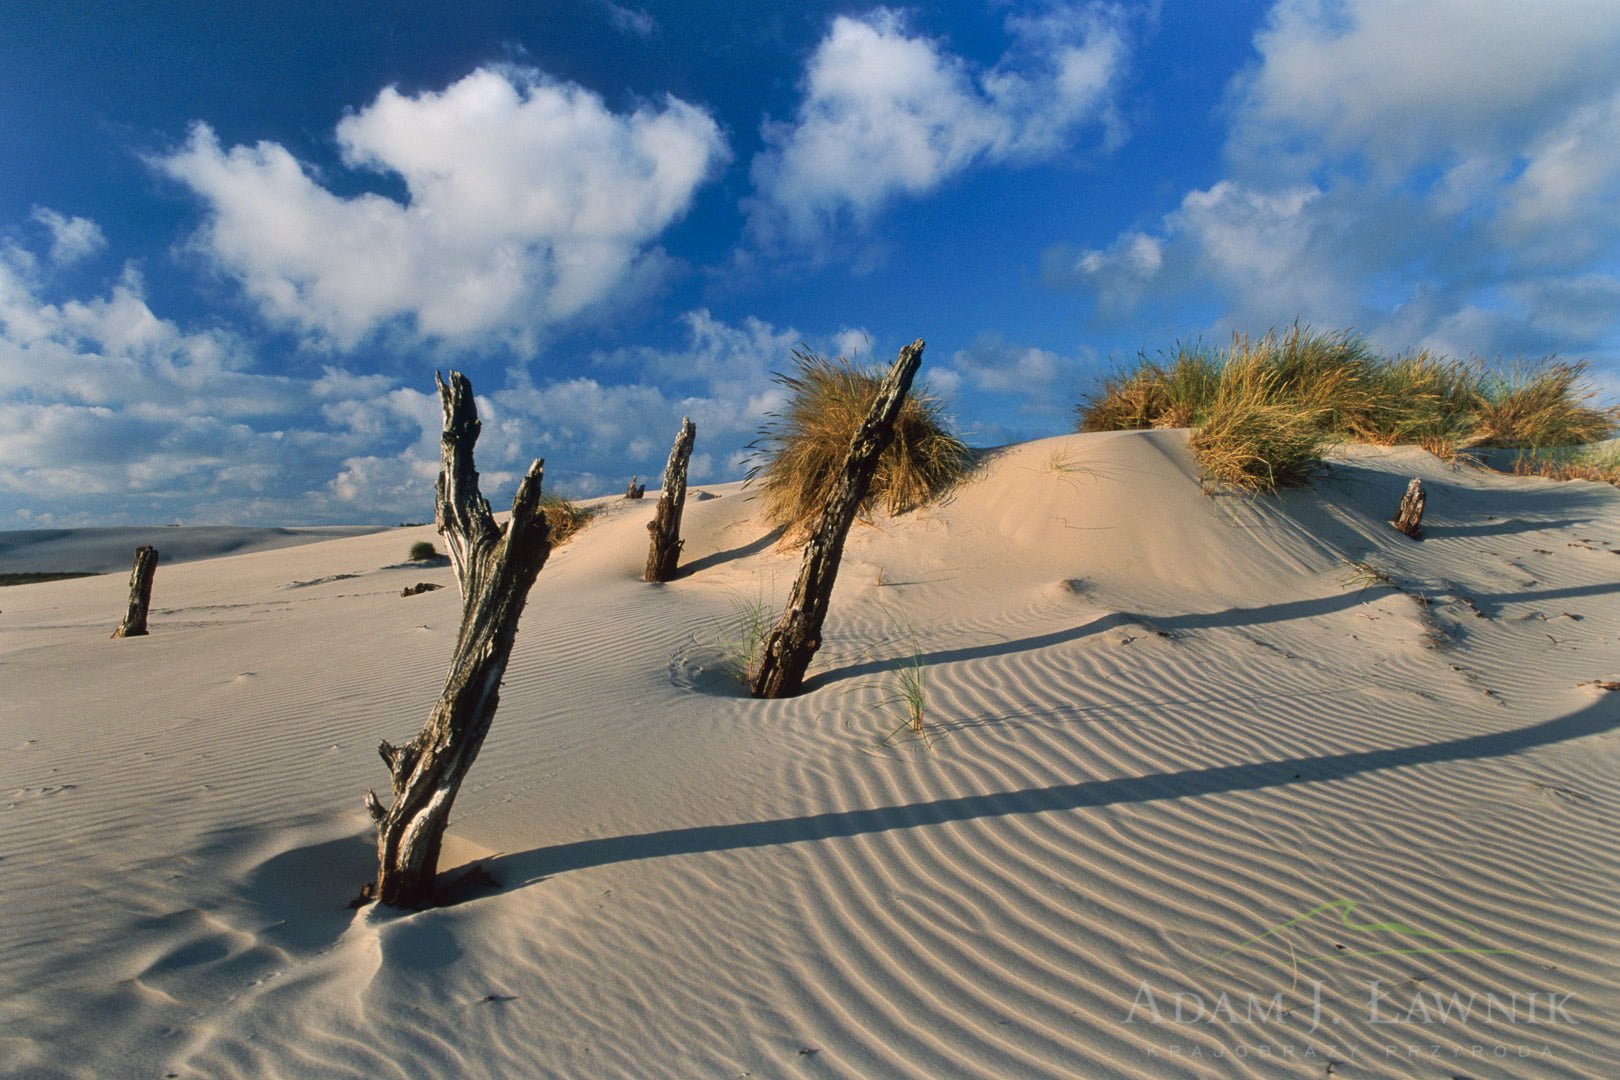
1442	174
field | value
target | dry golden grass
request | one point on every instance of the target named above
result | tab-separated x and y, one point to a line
1264	406
799	451
565	517
1256	436
1420	399
1176	393
1538	406
1599	463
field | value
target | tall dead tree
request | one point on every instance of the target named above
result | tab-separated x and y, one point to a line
140	593
1410	517
664	552
794	640
495	567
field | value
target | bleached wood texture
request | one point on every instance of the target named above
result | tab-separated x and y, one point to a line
495	567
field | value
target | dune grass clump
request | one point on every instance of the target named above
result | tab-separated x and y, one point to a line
423	551
1263	410
1540	406
1257	435
1600	463
1155	394
1423	400
565	517
799	451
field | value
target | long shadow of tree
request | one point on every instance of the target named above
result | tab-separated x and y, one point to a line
1488	603
529	866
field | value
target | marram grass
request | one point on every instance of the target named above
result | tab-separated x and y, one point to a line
800	449
1264	410
564	517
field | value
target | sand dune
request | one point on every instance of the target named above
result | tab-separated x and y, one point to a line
1163	726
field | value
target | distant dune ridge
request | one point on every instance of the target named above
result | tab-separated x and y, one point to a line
1219	747
106	550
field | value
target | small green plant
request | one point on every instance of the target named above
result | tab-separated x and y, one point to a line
911	694
743	642
423	551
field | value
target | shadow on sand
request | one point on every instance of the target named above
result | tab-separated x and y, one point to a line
720	558
535	865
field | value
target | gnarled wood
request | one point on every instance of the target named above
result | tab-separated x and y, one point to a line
1410	517
140	593
794	640
664	551
635	490
495	568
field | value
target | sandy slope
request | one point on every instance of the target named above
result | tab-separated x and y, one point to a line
1163	724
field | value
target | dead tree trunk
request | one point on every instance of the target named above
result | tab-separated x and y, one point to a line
1410	518
140	593
495	568
795	639
664	552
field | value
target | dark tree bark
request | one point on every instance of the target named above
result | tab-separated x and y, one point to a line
635	490
140	593
664	552
495	567
793	642
1410	518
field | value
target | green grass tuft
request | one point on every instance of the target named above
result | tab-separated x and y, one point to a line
423	551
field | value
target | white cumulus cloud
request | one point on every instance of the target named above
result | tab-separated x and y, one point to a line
72	238
888	113
529	201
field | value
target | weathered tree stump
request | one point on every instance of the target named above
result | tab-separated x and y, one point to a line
495	568
1410	517
794	640
140	593
664	551
635	491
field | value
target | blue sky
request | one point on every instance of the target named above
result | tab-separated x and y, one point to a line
236	240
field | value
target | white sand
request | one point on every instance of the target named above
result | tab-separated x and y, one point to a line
1162	723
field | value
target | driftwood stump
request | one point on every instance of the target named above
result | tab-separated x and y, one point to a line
1410	517
495	568
140	593
664	552
635	490
793	642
